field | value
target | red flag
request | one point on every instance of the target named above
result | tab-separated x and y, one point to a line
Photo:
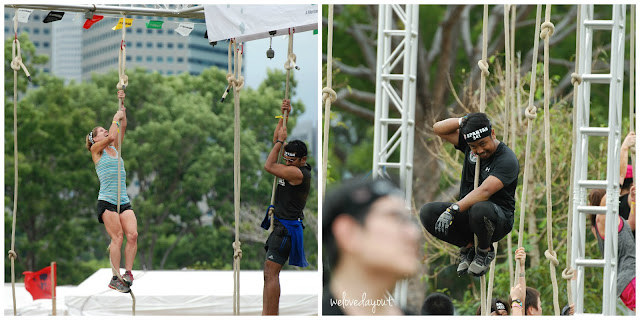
39	283
90	22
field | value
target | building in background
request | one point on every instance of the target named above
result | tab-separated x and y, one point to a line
75	53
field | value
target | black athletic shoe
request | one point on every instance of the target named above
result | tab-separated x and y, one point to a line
465	258
482	262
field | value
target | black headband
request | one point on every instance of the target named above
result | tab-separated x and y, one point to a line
477	134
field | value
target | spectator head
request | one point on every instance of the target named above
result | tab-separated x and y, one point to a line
532	303
498	308
367	221
437	304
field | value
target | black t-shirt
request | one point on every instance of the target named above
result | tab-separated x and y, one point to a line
290	200
503	164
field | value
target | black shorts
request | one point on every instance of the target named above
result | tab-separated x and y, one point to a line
278	245
105	205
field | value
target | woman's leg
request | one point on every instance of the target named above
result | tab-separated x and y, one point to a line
130	227
114	229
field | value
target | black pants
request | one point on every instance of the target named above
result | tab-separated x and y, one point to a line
484	219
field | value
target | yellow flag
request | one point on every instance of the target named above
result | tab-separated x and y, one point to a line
128	23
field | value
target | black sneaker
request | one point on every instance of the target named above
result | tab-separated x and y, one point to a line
118	285
482	262
465	258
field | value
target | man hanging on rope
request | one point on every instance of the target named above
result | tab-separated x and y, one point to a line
285	241
100	143
486	211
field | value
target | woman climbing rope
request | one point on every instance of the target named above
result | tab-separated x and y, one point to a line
103	146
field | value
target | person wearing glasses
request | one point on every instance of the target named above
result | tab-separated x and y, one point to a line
293	184
370	241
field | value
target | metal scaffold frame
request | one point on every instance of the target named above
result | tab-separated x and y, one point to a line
396	45
180	11
615	79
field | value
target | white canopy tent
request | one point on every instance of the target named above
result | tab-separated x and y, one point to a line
174	293
251	22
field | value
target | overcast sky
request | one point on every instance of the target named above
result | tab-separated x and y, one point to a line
305	47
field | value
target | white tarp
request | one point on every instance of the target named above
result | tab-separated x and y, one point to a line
26	306
250	22
192	293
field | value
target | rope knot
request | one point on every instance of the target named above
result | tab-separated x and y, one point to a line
237	252
230	78
484	66
552	256
239	83
568	273
16	63
13	254
123	83
291	62
576	78
530	112
547	29
329	93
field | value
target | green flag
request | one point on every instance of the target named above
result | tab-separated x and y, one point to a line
154	24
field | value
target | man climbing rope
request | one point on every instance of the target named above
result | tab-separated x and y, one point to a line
285	241
486	211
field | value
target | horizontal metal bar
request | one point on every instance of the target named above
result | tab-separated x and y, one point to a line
592	209
597	78
193	12
595	131
590	263
398	33
599	24
389	164
593	184
391	121
387	76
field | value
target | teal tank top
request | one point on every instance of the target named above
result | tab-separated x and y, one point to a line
107	170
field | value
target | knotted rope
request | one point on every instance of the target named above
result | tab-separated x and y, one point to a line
569	272
123	82
530	113
16	64
288	65
484	67
546	33
237	80
328	96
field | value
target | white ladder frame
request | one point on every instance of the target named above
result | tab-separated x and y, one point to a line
387	59
615	79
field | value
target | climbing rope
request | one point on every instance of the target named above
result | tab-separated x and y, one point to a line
288	65
507	69
508	90
123	82
632	60
237	82
484	67
530	113
16	64
546	33
328	96
569	272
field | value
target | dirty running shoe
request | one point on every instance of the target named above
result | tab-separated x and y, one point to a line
128	278
118	285
482	261
465	258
